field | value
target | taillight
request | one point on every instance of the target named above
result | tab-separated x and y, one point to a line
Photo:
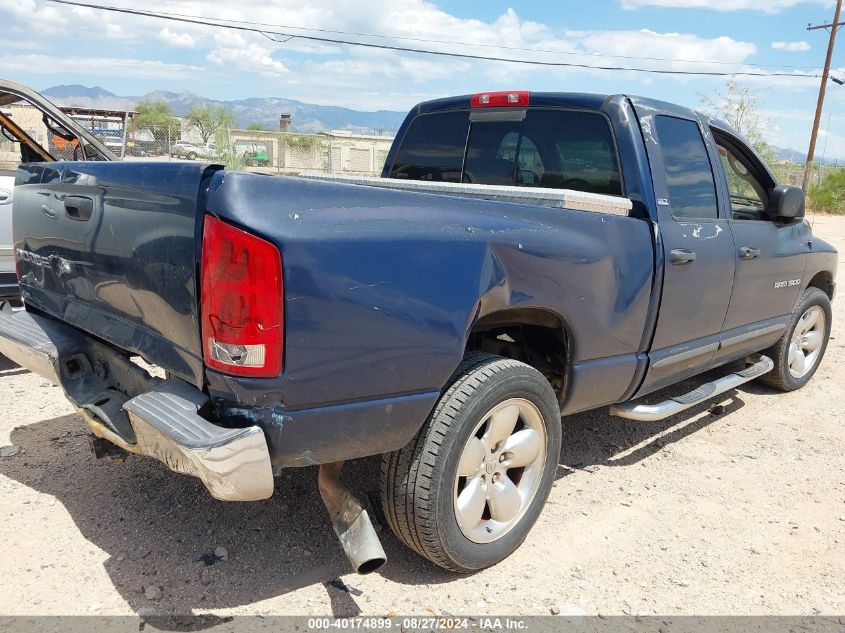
500	99
242	302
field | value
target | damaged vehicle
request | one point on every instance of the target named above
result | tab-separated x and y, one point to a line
523	256
33	129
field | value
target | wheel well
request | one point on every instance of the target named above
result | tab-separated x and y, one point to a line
822	280
533	336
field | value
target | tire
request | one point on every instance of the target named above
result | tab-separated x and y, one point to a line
784	377
420	486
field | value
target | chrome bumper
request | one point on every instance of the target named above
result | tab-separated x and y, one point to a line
234	464
139	413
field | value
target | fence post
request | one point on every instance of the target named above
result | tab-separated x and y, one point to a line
125	129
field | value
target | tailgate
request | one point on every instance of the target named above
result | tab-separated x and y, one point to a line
113	249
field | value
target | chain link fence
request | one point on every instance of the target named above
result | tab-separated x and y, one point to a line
259	150
792	173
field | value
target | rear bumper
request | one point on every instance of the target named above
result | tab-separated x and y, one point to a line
123	404
234	464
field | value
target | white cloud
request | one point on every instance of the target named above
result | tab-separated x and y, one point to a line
684	49
109	66
45	20
768	6
235	52
116	32
791	46
176	40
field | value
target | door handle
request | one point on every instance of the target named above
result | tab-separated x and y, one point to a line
682	256
5	196
749	252
79	208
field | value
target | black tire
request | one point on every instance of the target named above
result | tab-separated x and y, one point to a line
418	480
780	377
192	155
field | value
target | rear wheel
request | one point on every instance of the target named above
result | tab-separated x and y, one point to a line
800	350
467	490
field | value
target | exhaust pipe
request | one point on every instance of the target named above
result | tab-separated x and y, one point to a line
350	521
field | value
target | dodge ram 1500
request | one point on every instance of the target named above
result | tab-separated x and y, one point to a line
523	256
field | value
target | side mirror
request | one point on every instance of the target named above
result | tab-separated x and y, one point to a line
786	202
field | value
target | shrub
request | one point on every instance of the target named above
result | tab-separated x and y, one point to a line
829	197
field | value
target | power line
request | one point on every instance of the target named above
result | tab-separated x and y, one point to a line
227	21
404	49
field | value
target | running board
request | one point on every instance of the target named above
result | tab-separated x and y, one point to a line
655	412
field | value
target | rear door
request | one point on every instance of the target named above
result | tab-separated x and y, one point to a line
697	248
113	249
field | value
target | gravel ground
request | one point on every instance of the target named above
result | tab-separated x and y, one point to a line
740	512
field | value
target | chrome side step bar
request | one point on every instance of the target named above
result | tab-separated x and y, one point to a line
655	412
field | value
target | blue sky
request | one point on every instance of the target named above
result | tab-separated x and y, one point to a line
47	44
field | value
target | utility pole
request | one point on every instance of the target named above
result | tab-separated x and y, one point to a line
833	26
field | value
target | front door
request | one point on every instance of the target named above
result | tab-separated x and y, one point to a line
770	254
698	250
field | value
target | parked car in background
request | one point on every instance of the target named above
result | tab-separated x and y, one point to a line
180	145
193	152
61	138
525	255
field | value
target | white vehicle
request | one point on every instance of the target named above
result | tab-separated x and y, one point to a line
8	278
193	152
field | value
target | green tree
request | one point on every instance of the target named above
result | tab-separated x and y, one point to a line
829	197
737	105
155	115
257	127
209	119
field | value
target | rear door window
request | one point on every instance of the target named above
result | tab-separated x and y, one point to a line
689	175
559	149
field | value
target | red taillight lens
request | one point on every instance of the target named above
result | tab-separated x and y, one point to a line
500	99
242	302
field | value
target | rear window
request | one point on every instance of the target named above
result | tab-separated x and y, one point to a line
559	149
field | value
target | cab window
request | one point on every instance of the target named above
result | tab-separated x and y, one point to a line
554	148
433	148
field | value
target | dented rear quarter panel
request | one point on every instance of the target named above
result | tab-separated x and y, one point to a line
382	287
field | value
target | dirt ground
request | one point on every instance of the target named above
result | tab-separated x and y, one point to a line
741	512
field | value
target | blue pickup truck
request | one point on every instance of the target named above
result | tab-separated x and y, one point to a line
524	256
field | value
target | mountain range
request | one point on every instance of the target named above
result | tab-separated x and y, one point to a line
305	117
